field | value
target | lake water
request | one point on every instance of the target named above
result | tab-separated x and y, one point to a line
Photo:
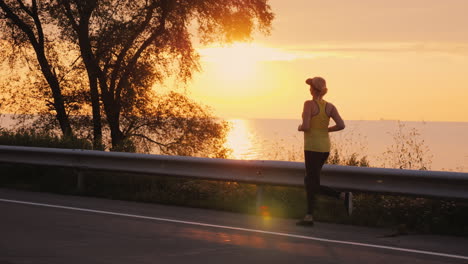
446	143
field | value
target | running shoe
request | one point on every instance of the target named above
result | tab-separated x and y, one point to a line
307	221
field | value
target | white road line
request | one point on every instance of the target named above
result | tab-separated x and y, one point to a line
241	229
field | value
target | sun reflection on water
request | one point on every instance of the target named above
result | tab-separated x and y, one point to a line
240	139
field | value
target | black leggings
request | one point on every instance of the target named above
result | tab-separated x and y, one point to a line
314	162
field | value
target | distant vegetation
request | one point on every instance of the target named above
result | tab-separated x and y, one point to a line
408	151
30	138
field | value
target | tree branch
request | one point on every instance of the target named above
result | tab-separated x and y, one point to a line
35	16
71	66
150	140
130	41
25	9
131	65
37	22
20	23
68	12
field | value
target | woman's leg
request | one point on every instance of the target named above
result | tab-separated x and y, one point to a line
313	162
346	196
325	190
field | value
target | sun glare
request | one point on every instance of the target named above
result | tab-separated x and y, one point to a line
231	63
240	61
238	139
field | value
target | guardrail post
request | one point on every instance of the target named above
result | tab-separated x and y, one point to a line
80	186
259	202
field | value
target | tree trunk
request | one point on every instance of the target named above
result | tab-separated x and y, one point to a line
117	135
59	105
112	110
96	108
91	69
113	117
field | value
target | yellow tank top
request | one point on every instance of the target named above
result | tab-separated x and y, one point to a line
317	138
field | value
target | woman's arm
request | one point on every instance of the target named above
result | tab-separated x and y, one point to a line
339	123
306	114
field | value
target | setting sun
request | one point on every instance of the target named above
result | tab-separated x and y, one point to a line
240	74
240	61
231	63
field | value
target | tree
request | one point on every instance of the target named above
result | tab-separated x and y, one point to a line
125	47
26	24
128	45
175	125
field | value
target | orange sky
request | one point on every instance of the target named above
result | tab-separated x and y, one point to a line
399	59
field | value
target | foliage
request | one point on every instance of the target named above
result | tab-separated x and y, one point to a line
124	48
176	125
23	26
337	158
408	151
128	46
41	139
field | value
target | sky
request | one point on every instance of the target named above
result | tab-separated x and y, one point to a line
398	60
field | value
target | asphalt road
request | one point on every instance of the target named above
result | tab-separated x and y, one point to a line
49	228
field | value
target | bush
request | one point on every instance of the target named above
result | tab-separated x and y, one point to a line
33	139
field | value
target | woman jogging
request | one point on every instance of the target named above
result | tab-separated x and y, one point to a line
315	125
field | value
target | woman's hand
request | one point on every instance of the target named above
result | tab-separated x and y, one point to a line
299	128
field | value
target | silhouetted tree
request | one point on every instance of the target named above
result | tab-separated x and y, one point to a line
175	125
129	45
24	21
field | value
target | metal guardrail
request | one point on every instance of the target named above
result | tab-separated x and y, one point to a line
282	173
